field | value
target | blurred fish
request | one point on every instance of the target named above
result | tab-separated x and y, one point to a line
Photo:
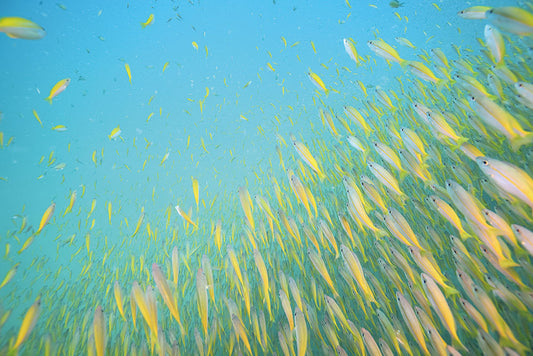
18	27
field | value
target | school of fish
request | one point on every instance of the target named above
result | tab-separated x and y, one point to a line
404	228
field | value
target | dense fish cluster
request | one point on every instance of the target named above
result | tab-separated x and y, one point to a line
406	229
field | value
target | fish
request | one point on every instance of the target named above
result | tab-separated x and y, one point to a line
511	19
307	157
474	12
495	42
37	117
148	21
128	71
385	51
72	200
349	47
185	216
196	191
203	302
21	28
317	81
28	323
364	221
57	89
117	291
99	331
411	321
115	133
404	42
301	332
508	177
49	212
440	305
59	128
10	275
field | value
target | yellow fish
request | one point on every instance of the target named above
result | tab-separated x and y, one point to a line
37	117
115	133
128	70
18	27
59	128
196	191
10	274
71	203
99	331
58	88
148	22
46	217
185	216
317	81
28	323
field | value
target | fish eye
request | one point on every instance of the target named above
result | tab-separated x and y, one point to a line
485	163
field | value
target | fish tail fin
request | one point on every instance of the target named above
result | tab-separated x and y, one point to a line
380	233
365	155
143	25
441	83
429	182
449	291
459	143
506	263
49	99
518	142
458	344
403	174
464	235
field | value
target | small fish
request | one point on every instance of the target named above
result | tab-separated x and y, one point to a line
18	27
385	51
474	13
404	42
185	216
37	117
148	22
164	159
59	128
128	71
317	81
196	191
58	88
115	133
349	47
10	274
46	217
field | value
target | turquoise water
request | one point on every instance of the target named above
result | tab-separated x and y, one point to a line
224	94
